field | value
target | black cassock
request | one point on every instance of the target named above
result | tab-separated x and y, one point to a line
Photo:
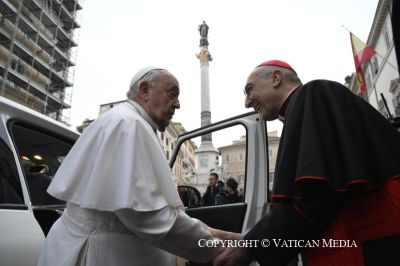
337	177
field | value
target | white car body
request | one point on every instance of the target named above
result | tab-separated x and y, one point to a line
21	234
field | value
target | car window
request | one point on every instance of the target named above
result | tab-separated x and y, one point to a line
41	154
200	159
10	185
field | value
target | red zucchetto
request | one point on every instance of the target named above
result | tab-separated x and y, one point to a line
277	63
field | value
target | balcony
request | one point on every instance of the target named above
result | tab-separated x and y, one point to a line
21	81
68	20
72	5
65	40
58	83
30	30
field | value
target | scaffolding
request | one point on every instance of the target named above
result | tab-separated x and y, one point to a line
38	48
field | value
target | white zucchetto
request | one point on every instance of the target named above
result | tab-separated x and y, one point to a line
141	73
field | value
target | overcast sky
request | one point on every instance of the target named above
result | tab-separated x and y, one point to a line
121	36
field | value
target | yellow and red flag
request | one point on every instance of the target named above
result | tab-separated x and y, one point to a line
361	53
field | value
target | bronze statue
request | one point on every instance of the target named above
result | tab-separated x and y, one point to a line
203	29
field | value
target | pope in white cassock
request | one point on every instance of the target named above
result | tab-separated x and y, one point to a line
123	207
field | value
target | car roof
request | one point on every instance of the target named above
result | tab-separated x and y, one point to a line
12	111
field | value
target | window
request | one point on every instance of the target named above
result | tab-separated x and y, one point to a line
17	65
40	155
10	186
374	67
386	36
14	63
368	82
240	179
397	104
270	153
226	156
241	157
48	4
271	175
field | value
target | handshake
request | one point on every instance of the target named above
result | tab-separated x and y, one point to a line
233	248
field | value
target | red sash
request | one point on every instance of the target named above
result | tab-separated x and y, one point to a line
372	215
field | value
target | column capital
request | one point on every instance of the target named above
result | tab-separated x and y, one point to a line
204	56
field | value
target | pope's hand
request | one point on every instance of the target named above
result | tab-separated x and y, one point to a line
231	256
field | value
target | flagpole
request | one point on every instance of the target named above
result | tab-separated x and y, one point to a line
346	28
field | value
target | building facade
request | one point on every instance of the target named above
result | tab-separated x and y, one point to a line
233	158
381	72
38	45
184	166
233	161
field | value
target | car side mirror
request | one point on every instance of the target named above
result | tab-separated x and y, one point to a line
190	196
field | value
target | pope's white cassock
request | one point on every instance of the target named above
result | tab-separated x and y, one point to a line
123	207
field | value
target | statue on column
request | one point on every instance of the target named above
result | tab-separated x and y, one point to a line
203	29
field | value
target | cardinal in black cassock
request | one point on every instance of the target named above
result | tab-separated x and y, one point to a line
337	178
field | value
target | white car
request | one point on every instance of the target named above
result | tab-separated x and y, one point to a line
32	147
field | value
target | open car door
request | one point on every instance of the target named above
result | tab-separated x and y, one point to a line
233	148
